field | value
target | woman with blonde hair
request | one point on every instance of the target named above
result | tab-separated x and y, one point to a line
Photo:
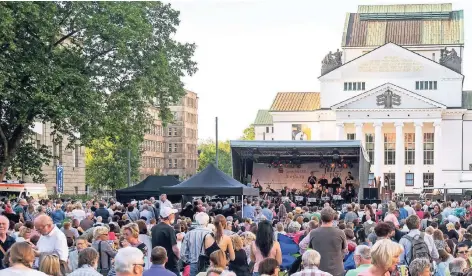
21	261
79	213
105	251
130	232
218	259
24	235
239	265
385	256
50	265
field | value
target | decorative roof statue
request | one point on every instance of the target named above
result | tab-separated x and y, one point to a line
388	99
450	59
331	61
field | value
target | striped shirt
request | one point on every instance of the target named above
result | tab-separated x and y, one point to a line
192	244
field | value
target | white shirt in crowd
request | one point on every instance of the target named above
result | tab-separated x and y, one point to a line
13	271
54	242
147	214
79	214
166	203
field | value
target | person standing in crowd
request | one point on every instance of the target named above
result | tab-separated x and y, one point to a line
20	209
163	234
87	263
145	213
193	242
457	267
58	216
80	244
248	210
50	265
223	241
331	242
6	241
350	216
52	240
385	256
158	260
362	259
129	261
105	252
87	223
413	223
239	265
21	261
102	212
311	261
78	213
420	267
269	267
164	202
265	246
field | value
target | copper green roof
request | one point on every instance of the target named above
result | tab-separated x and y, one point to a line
428	24
263	118
467	99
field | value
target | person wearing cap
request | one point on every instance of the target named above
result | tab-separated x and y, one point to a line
163	234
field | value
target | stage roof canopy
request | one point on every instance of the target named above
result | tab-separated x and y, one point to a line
296	149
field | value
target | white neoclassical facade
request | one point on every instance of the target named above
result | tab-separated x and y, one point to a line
409	110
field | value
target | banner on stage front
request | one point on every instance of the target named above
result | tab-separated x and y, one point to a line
296	177
301	132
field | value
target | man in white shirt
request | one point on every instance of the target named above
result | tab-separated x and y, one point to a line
164	202
52	239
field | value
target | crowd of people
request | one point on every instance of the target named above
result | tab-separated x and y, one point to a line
255	237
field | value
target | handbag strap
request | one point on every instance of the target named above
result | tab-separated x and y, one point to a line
203	243
100	254
2	250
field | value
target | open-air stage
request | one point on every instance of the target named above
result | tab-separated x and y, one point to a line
280	164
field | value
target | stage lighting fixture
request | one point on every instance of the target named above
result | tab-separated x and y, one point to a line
333	165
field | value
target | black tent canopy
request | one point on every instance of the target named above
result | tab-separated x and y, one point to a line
149	187
210	181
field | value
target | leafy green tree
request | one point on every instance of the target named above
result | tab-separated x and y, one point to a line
249	133
86	67
107	163
207	155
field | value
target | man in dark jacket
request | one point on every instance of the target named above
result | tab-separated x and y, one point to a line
102	212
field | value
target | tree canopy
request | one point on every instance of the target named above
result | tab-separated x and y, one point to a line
88	68
249	133
207	155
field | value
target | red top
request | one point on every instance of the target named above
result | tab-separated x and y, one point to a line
111	236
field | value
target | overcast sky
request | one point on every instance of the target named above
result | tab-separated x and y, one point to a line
248	50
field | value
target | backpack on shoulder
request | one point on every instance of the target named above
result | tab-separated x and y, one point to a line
419	248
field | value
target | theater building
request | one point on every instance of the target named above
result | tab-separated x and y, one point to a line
397	86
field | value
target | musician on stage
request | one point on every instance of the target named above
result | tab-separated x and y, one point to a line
338	191
349	180
350	194
336	180
318	192
312	180
285	191
323	181
257	185
326	193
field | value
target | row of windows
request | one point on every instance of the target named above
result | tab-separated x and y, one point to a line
172	131
155	146
354	86
152	162
172	147
389	180
155	130
389	147
426	85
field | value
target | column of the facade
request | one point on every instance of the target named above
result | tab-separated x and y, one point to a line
340	135
378	149
437	152
359	133
399	158
418	155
